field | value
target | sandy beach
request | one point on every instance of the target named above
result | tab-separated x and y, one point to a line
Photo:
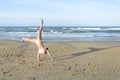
81	60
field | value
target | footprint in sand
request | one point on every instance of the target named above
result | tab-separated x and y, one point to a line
32	78
7	72
67	69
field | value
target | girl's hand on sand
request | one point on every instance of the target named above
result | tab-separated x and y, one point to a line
52	59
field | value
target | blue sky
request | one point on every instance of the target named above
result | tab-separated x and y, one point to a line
60	12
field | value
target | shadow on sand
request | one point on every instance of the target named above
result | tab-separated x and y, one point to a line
73	55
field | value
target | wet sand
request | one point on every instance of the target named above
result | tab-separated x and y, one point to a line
82	60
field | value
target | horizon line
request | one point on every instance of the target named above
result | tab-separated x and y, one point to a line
62	26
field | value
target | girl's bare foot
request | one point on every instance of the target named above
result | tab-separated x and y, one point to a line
22	40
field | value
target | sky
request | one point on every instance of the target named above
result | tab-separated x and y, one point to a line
60	12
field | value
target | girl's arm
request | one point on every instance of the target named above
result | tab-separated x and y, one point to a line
49	55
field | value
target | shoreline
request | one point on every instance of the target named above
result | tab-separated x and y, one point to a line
82	60
69	41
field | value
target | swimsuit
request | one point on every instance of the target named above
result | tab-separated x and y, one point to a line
42	51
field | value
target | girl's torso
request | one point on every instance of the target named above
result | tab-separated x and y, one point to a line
39	44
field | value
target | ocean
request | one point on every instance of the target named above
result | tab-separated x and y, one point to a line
62	33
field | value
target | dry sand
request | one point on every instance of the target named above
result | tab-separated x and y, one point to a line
73	61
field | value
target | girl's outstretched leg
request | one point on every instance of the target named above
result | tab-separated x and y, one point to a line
28	40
